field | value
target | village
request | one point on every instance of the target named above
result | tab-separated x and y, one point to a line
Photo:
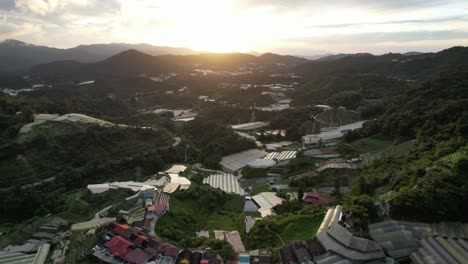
279	201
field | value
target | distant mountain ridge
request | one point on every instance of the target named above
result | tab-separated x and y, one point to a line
412	65
133	62
17	56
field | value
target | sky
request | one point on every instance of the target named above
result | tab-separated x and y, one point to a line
298	27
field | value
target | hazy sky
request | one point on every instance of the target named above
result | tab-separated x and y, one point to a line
283	26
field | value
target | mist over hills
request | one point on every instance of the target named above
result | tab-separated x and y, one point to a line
17	56
132	63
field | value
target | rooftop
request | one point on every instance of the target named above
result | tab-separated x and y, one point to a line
226	182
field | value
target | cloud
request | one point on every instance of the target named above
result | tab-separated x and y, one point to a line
7	4
11	30
395	22
292	25
374	4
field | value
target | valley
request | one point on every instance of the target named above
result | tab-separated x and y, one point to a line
146	158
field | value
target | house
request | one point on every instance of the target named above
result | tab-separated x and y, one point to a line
171	251
244	259
147	194
314	198
158	209
302	255
184	257
257	257
335	238
287	255
119	246
119	229
137	256
196	257
314	247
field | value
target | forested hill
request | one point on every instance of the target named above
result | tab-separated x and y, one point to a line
17	56
428	182
437	109
417	66
132	63
347	81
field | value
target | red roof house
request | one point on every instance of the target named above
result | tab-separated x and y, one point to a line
119	229
137	256
314	198
118	246
140	239
158	209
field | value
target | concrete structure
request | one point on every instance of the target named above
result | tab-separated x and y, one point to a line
176	169
73	118
235	240
91	224
266	201
226	182
171	187
336	165
183	182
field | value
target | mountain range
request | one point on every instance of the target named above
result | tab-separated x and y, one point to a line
17	56
132	63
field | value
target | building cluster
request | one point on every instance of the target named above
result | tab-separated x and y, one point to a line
445	242
314	198
334	243
126	244
329	136
37	247
392	242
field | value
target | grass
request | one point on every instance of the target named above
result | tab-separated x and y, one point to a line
329	177
282	181
288	226
79	246
371	144
225	219
260	189
221	221
251	173
234	204
199	208
396	150
301	227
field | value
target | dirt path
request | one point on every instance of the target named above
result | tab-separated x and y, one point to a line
282	241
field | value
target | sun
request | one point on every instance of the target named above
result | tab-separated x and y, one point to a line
209	26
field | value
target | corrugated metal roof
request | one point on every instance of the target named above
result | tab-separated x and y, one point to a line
441	250
226	182
239	160
423	242
284	155
333	237
19	258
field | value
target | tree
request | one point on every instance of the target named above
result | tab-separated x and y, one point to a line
227	252
300	195
336	193
363	211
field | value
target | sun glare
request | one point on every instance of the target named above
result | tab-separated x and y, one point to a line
212	26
